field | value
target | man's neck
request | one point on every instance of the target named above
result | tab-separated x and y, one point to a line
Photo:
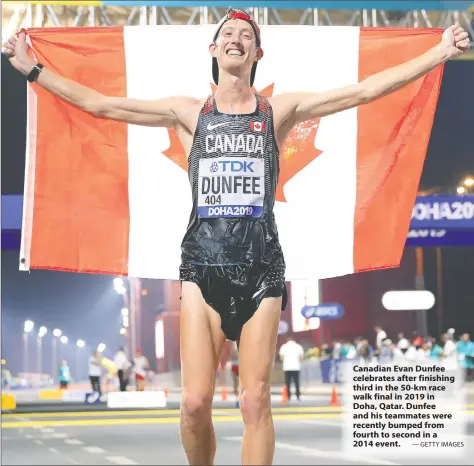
233	92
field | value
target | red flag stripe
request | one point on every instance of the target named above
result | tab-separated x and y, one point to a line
393	136
80	220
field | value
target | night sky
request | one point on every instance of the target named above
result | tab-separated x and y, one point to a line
87	307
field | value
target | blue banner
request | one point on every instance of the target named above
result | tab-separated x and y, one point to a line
12	211
425	237
328	311
11	239
443	212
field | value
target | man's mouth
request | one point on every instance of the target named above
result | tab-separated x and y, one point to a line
235	52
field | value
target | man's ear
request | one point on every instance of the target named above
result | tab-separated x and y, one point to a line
259	54
212	49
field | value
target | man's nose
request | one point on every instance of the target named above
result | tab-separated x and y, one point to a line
235	39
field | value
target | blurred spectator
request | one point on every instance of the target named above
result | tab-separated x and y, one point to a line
326	351
348	351
465	350
403	344
433	350
122	364
449	350
417	341
95	371
64	375
234	370
6	379
415	353
380	337
336	350
365	350
386	353
312	353
291	353
140	367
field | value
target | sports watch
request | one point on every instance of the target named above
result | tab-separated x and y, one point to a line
34	73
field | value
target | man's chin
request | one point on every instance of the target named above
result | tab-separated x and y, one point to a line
234	68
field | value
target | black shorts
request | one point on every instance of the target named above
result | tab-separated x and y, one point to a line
236	291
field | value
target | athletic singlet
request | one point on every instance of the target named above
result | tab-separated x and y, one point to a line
233	171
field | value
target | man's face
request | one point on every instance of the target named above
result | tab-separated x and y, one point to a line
236	45
465	337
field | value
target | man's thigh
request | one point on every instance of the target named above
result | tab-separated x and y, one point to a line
201	341
258	344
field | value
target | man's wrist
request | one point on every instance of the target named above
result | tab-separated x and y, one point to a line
27	67
442	53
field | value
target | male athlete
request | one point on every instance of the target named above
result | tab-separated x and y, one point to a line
232	272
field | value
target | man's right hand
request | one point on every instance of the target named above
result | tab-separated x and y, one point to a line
17	50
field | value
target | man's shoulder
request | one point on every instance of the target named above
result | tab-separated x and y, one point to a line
186	102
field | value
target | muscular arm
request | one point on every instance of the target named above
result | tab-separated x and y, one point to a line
302	106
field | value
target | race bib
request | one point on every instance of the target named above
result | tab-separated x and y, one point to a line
231	187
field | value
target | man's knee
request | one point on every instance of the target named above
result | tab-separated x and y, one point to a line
197	405
255	402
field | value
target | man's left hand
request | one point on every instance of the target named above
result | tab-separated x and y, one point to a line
455	41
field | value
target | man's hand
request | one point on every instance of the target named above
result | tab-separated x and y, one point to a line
455	41
17	50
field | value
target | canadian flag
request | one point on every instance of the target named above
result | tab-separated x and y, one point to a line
98	192
257	126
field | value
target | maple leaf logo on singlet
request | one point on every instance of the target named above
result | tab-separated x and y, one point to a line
297	152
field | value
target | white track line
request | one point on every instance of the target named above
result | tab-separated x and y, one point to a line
321	422
59	435
73	441
39	442
122	460
53	450
94	450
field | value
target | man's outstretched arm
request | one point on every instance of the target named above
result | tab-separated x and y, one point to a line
134	111
302	106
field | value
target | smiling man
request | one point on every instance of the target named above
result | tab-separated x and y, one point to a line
233	269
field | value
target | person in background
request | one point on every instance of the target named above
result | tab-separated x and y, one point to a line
6	379
465	350
433	350
365	351
386	353
337	350
403	343
234	370
140	367
449	350
95	371
291	353
380	336
121	364
350	351
417	340
64	375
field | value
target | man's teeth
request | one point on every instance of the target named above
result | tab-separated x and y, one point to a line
235	52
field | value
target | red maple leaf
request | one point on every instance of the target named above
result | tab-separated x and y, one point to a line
296	154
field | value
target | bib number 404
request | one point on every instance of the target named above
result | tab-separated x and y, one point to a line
213	200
